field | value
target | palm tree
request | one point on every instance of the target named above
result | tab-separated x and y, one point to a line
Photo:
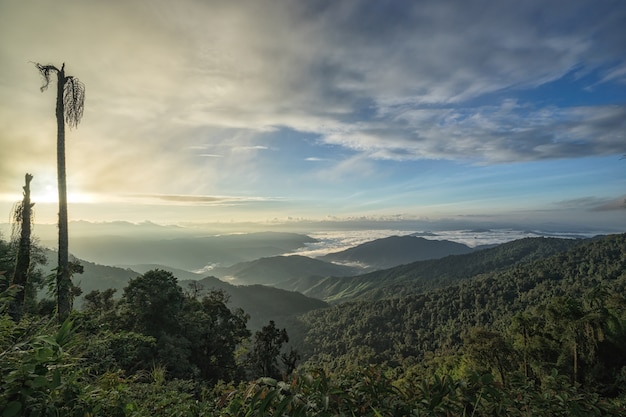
70	104
580	328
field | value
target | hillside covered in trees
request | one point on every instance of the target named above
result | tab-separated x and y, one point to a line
429	274
392	329
534	327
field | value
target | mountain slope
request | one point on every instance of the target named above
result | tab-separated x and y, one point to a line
262	303
94	276
396	250
181	274
409	326
278	269
425	275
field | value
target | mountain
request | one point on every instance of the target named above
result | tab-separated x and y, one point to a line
181	274
431	274
278	269
94	276
424	322
190	253
396	250
263	303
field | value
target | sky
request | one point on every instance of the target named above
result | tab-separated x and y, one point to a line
272	111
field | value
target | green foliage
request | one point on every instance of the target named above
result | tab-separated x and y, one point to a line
151	303
214	333
121	350
489	351
34	365
369	392
193	338
546	338
266	349
100	302
419	277
391	330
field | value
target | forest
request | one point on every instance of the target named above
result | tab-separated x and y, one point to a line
533	327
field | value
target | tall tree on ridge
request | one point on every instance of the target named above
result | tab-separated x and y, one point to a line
70	104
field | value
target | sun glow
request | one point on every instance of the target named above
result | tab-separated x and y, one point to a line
49	195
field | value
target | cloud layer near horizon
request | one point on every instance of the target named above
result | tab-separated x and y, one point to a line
181	93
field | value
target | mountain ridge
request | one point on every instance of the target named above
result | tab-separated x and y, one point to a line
396	250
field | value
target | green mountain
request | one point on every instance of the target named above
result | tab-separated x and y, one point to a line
430	274
261	303
425	322
94	276
277	270
181	274
396	250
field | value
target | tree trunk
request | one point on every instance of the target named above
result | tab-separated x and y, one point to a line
22	261
63	270
525	335
575	363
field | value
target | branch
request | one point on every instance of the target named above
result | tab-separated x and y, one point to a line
45	71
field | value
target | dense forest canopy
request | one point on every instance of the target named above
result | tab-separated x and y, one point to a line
527	328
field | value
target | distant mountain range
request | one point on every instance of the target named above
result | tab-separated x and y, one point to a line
396	250
292	272
260	302
190	253
292	285
435	273
181	274
277	270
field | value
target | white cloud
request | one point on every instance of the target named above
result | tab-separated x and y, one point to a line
385	80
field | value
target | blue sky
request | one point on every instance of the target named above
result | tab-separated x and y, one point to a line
499	112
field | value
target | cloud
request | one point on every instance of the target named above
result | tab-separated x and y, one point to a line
504	133
611	205
251	148
196	199
594	203
167	82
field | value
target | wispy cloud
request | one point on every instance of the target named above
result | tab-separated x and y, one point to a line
251	148
185	97
594	203
196	199
615	204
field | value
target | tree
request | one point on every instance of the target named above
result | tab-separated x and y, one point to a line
214	332
289	359
522	326
194	338
22	226
70	103
266	348
489	349
101	303
577	328
152	303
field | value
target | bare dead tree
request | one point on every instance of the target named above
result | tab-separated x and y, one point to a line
70	104
22	226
